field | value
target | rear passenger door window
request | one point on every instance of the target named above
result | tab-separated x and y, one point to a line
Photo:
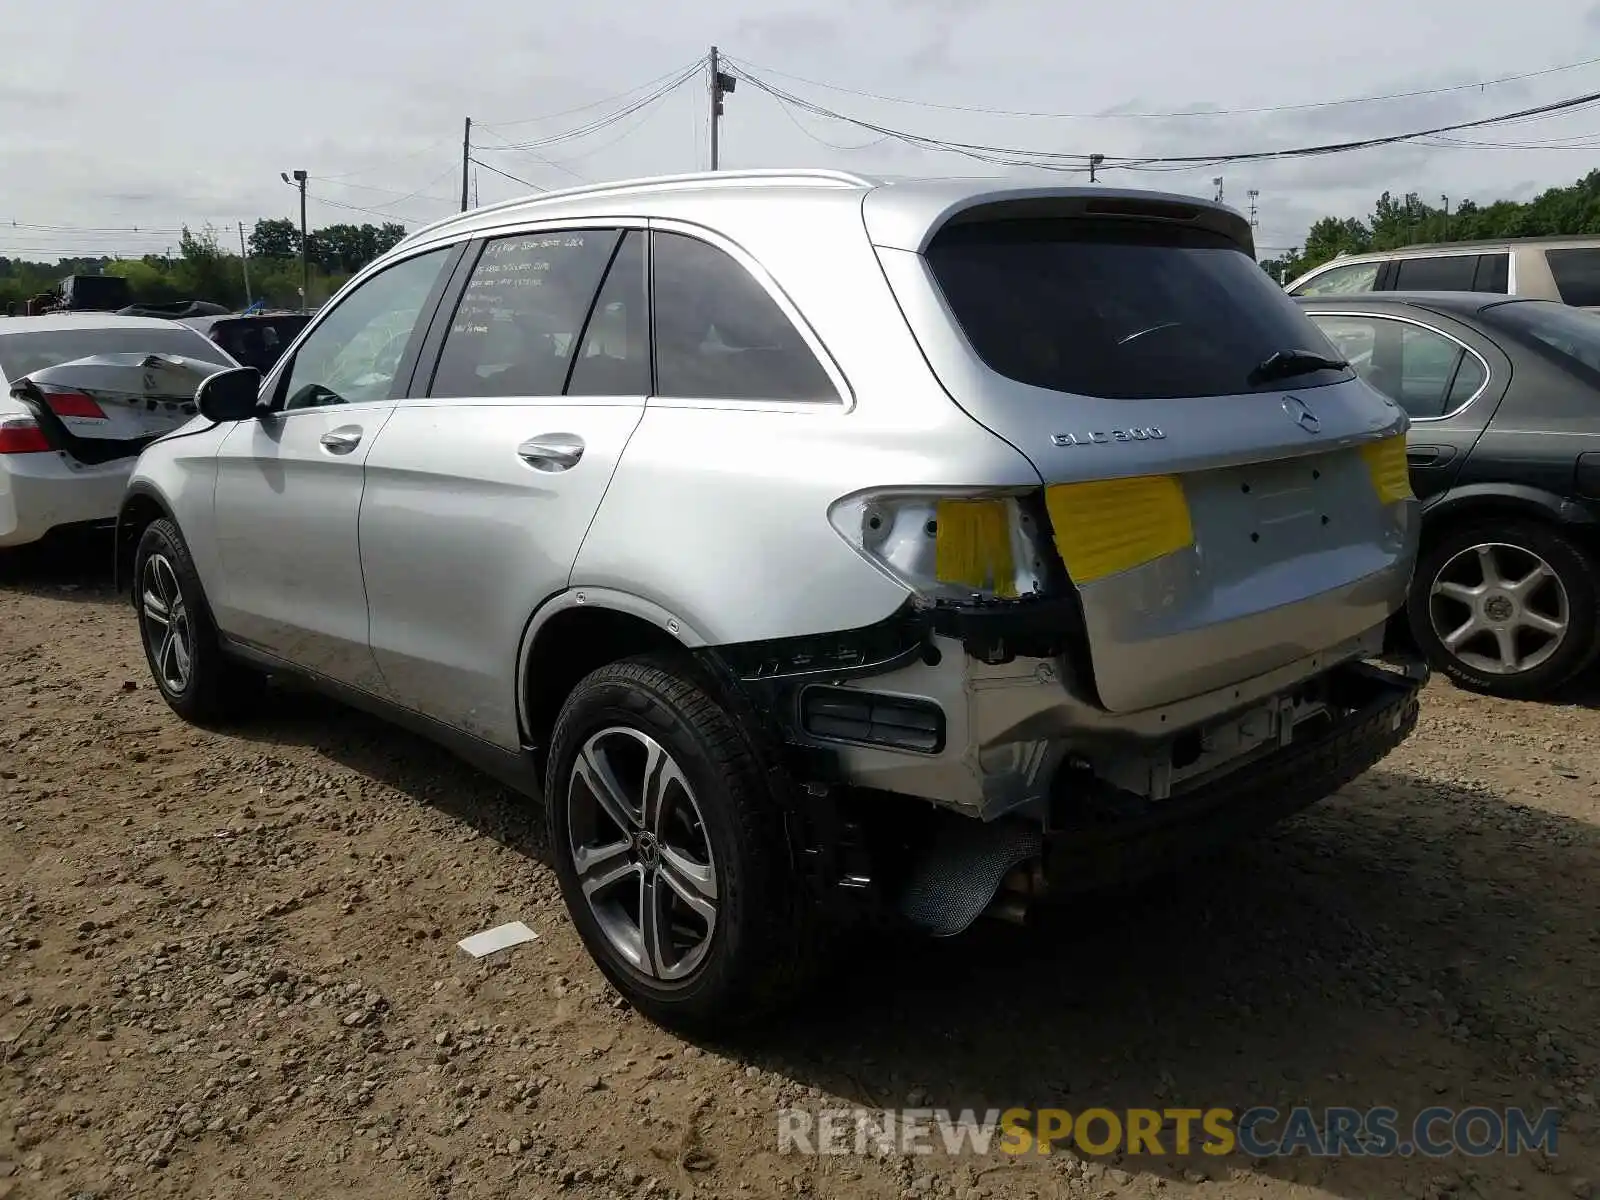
1427	374
1577	275
516	329
614	356
719	335
1493	274
1439	273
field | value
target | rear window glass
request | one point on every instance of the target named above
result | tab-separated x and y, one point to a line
1569	335
23	353
1577	274
258	341
1119	309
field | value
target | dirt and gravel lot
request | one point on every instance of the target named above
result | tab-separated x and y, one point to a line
227	969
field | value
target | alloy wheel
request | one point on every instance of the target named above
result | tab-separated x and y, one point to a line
1499	609
168	632
641	853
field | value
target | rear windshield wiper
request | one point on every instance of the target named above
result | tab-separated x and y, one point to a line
1285	364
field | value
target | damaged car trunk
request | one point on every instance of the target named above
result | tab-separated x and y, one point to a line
110	406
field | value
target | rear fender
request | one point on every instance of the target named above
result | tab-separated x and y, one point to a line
1486	498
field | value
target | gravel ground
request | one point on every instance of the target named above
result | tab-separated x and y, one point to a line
227	969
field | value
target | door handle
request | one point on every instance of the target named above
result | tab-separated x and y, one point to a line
342	440
1429	456
552	451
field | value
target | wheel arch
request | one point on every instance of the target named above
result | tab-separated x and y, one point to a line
1479	501
142	505
575	632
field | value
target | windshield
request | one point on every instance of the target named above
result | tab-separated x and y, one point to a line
1570	335
23	353
1123	310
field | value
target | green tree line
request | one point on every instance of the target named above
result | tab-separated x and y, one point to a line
204	269
1556	212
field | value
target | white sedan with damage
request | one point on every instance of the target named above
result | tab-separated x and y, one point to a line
81	394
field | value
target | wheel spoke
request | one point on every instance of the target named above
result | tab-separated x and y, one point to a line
594	767
660	774
1506	643
600	880
1530	583
1456	591
1467	629
694	882
590	860
1539	623
1489	564
652	921
155	609
180	655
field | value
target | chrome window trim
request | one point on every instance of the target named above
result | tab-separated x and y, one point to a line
1488	375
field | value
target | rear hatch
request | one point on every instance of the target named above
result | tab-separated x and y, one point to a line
1224	503
107	406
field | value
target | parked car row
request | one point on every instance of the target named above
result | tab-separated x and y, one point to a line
823	551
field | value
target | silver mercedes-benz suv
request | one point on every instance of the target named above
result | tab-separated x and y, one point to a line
821	549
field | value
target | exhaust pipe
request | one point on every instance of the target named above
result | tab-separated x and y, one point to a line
1018	889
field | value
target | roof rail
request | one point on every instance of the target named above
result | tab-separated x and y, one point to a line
752	175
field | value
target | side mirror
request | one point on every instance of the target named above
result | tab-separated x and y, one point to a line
229	395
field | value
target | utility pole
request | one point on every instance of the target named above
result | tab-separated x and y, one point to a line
1218	182
721	84
305	243
1094	161
466	161
1446	200
1253	193
244	259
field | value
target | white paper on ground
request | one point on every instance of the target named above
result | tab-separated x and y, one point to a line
501	937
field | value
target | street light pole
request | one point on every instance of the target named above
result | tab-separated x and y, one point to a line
305	254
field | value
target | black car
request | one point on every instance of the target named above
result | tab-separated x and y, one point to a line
256	339
1504	449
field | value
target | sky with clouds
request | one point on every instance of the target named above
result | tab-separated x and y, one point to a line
116	117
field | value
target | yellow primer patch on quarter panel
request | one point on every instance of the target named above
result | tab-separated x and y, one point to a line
1386	464
1113	525
972	546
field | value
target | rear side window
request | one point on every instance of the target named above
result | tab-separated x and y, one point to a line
521	314
720	336
614	358
1577	275
1440	273
1493	274
1342	281
23	353
1120	309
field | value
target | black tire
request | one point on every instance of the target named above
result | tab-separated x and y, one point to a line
764	943
1521	541
215	689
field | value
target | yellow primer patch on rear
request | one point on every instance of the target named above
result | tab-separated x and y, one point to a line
1386	464
972	546
1116	524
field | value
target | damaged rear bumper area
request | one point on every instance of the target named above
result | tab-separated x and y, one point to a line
1036	790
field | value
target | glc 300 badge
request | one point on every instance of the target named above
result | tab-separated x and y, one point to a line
1141	433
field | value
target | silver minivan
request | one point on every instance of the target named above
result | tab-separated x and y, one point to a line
1566	270
822	550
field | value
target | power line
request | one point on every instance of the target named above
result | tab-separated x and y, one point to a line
1069	160
1182	113
508	175
691	68
614	117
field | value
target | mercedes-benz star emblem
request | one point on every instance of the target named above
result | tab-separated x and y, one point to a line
1301	415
